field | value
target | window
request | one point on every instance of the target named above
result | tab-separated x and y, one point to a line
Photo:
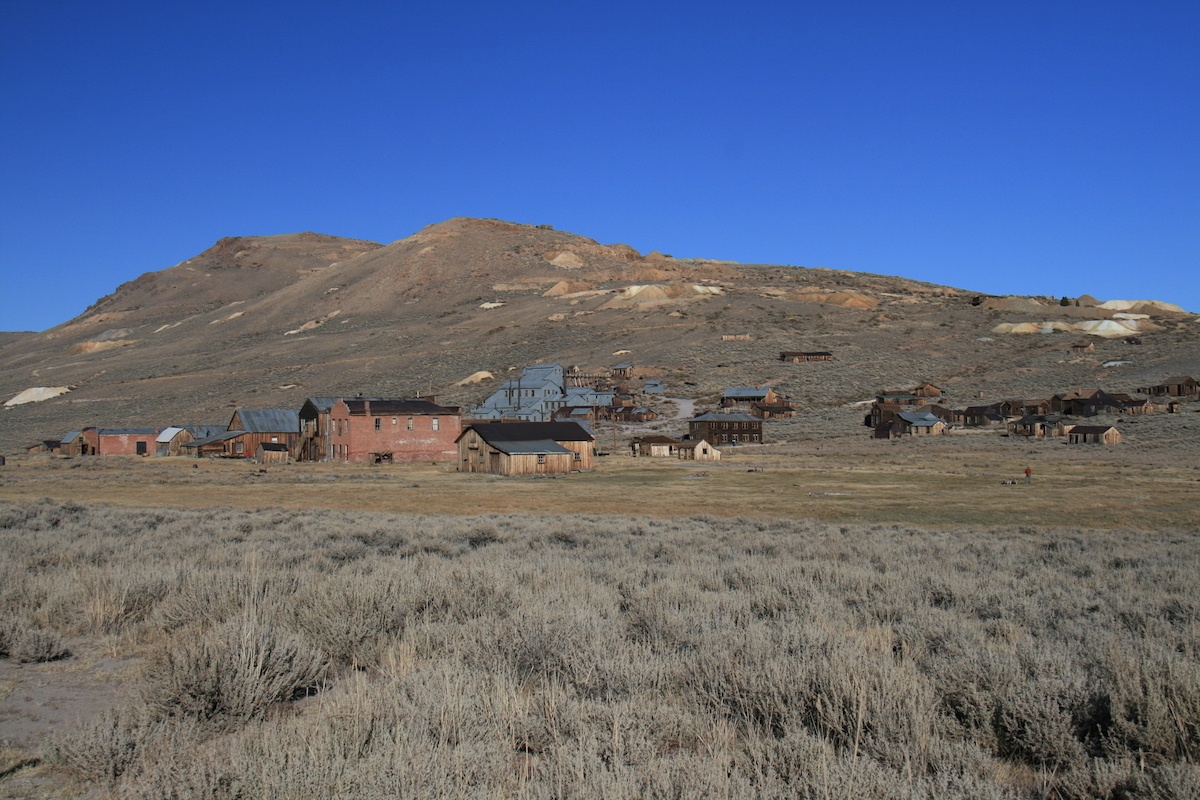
541	458
410	423
578	457
394	420
275	439
238	447
378	424
436	424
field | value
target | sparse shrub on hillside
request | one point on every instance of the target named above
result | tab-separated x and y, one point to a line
235	671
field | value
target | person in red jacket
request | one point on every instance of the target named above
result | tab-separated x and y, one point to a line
1028	475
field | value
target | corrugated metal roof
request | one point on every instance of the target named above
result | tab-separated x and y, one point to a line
496	432
70	437
536	447
220	437
269	420
746	392
168	434
919	419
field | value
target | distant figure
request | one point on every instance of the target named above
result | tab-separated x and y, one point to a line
1028	475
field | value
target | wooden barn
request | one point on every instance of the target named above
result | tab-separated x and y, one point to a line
911	423
1094	434
264	426
525	448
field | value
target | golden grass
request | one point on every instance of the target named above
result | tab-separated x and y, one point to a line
941	490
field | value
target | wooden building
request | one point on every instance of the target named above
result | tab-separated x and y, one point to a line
1084	403
264	426
723	429
172	441
1024	407
1178	386
1038	426
980	416
801	357
927	391
698	450
655	446
525	448
385	431
272	453
1094	434
314	444
911	423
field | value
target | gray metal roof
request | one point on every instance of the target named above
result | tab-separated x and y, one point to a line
70	437
747	392
220	437
495	432
269	420
712	416
919	419
168	434
537	447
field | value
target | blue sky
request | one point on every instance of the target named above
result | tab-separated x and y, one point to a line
1016	148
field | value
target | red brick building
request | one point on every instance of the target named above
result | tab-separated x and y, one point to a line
384	431
119	441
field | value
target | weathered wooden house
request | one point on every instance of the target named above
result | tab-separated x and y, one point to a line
1094	434
726	429
382	430
772	411
745	396
74	443
44	446
1134	406
898	398
315	444
633	414
1084	403
698	450
263	426
1178	386
927	391
911	423
172	441
1024	407
1037	426
801	357
654	446
525	448
981	416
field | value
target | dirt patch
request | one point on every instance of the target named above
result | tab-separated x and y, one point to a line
37	394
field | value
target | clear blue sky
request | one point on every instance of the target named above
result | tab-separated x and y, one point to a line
1018	147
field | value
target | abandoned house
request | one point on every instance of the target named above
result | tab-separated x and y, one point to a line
1084	403
722	429
1178	386
698	450
800	357
654	446
1094	434
172	440
911	423
525	448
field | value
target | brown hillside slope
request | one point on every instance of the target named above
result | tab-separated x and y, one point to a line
267	321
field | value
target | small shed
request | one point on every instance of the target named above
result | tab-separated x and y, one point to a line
271	453
1094	434
801	357
698	450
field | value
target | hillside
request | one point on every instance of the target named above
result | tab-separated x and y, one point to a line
266	321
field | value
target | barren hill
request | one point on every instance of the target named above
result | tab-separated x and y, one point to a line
265	321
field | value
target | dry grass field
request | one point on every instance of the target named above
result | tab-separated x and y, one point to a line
852	619
176	653
853	480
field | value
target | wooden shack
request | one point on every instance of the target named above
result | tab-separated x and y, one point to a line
801	357
655	446
698	450
271	453
1094	434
